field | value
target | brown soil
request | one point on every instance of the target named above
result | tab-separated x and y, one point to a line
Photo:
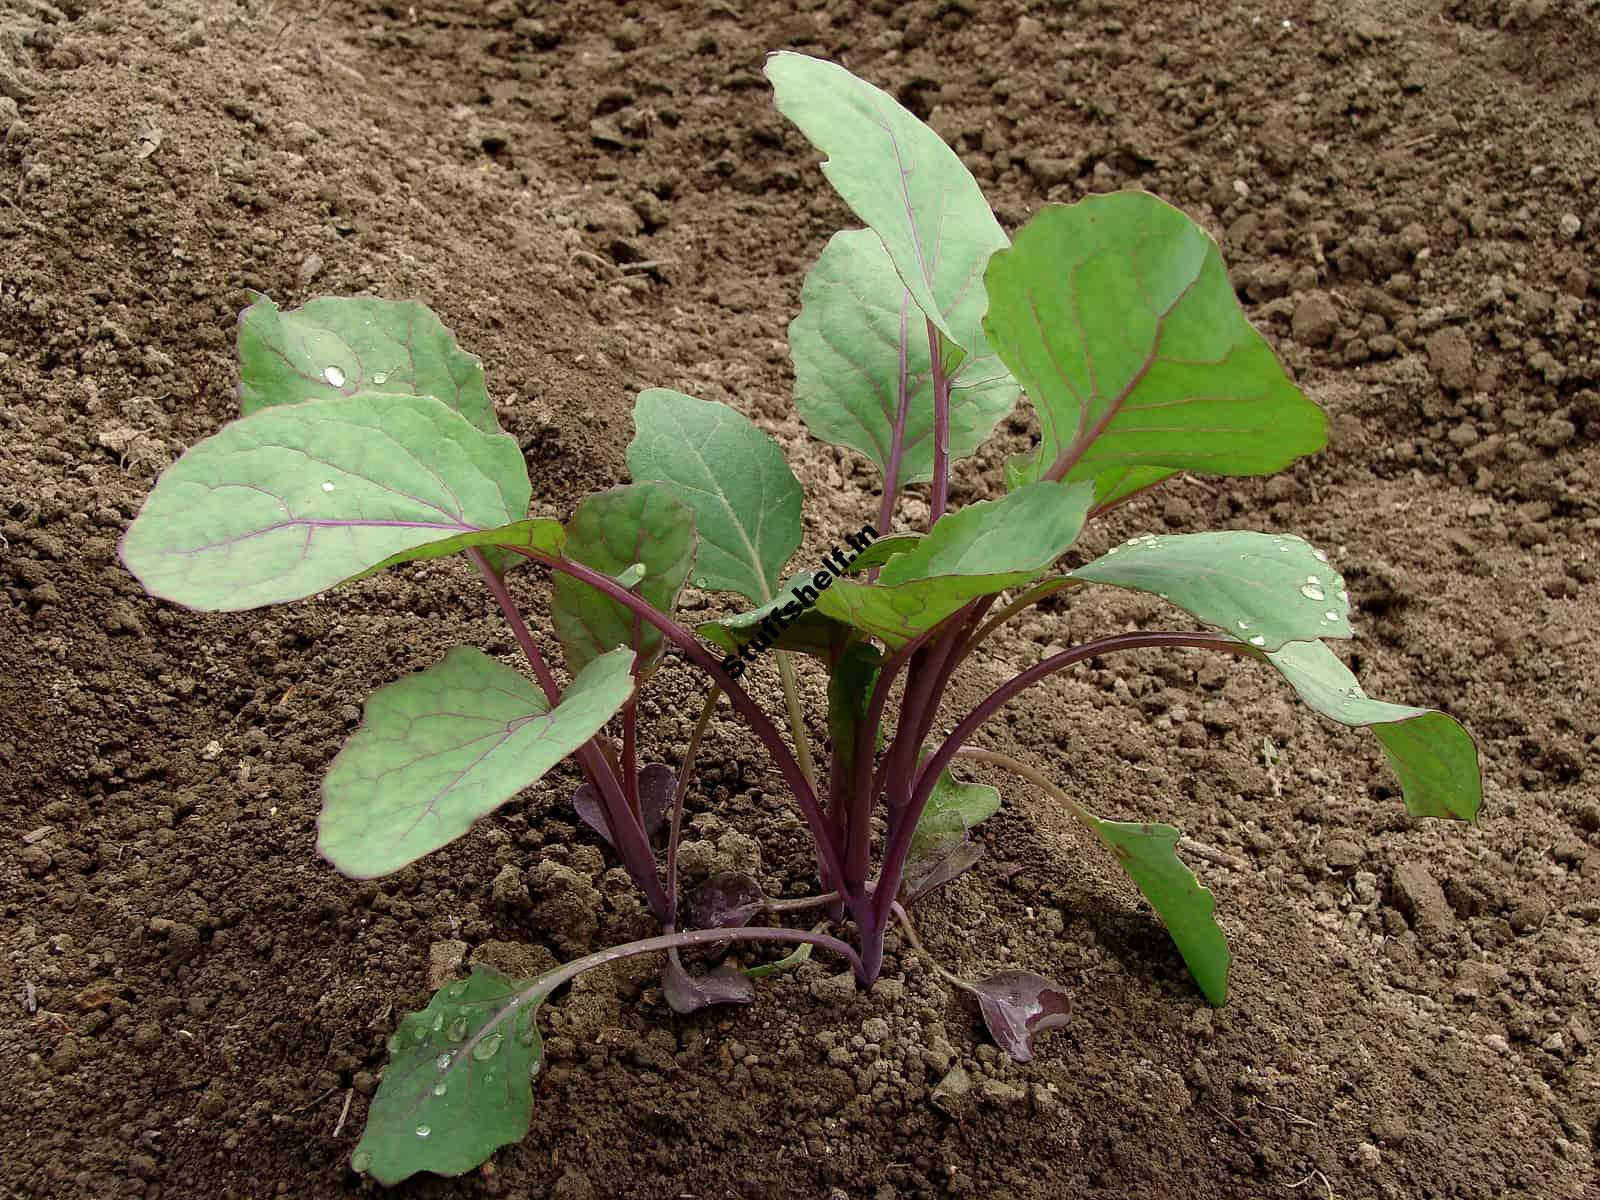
198	1005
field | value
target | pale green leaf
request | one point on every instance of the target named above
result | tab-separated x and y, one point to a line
333	347
294	499
1263	589
459	1081
746	500
443	747
1434	758
1117	316
856	327
639	524
900	178
791	623
1149	855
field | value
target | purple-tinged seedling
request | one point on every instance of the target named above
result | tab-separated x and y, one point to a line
368	440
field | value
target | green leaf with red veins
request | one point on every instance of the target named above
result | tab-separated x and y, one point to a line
334	347
293	500
857	324
1434	758
441	748
1265	589
984	548
900	178
1117	316
459	1081
610	532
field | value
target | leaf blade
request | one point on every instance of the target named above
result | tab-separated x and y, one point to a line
441	748
295	499
746	500
335	346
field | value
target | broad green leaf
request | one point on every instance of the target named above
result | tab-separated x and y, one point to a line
294	499
746	500
982	549
1434	758
334	347
858	329
611	532
850	685
443	747
1263	589
1149	855
1117	317
807	631
900	178
459	1081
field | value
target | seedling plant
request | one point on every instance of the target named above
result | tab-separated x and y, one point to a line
367	439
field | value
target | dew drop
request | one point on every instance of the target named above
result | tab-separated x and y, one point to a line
395	1043
438	1022
1283	549
439	1089
1258	640
333	375
1322	555
423	1131
1331	615
456	989
381	377
700	581
1244	624
443	1060
457	1030
1312	592
1344	596
528	1036
486	1049
327	486
360	1161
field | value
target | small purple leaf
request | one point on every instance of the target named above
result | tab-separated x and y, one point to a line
725	984
657	785
726	899
1017	1005
933	869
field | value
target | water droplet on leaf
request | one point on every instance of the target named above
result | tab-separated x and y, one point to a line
327	486
1312	592
333	375
1244	624
1322	555
457	1030
395	1043
443	1060
485	1050
360	1161
1331	615
1258	640
438	1022
381	377
423	1131
528	1036
438	1089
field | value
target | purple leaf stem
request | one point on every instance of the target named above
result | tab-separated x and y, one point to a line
897	445
941	429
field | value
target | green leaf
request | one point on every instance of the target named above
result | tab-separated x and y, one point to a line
537	533
850	685
900	178
984	548
1148	853
857	323
459	1081
746	500
1263	589
1434	758
808	631
292	500
334	347
1117	317
611	532
882	550
443	747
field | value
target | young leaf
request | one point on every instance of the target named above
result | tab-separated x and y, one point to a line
458	1084
745	499
941	846
334	347
1434	758
808	632
1017	1006
726	899
1117	317
857	324
982	549
290	501
850	685
723	984
610	532
1265	590
900	178
657	785
1148	854
882	550
441	748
